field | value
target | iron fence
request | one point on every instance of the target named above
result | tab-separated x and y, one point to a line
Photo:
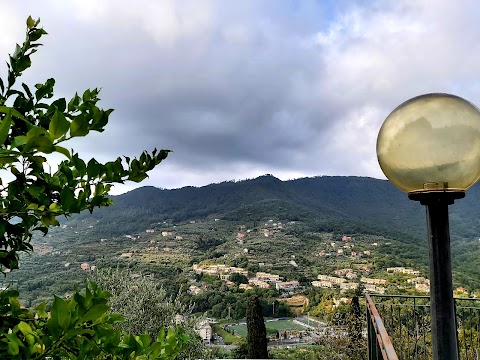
407	321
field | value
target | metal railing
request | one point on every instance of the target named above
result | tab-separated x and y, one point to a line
379	343
407	321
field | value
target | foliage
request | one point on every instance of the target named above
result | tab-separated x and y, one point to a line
221	303
32	125
146	308
355	324
77	328
257	334
238	279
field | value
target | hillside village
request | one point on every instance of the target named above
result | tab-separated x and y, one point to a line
213	256
341	279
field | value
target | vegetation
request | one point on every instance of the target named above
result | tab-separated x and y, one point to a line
146	308
32	125
77	328
257	333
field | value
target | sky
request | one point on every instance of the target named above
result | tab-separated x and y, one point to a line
238	89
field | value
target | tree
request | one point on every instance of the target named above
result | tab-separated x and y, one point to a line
32	125
149	310
356	347
238	279
256	331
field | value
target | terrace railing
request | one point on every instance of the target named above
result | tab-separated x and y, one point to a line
407	321
379	344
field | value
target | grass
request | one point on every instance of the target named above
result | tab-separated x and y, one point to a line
227	337
274	325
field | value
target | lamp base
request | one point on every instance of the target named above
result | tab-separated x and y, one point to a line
436	197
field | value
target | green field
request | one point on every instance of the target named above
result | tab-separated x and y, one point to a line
276	324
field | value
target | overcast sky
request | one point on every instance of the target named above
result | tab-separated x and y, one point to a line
238	89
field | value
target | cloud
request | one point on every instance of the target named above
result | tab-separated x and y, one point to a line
238	89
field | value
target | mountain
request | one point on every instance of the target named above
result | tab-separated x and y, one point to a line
360	202
247	223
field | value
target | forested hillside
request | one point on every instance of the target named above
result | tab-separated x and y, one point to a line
357	202
229	222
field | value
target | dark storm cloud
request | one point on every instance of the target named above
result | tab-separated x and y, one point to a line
238	89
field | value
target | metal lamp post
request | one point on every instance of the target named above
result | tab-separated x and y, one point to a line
429	147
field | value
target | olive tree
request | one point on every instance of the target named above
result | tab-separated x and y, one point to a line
146	308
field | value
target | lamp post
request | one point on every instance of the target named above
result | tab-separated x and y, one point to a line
429	147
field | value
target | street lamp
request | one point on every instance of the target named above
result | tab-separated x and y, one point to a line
429	147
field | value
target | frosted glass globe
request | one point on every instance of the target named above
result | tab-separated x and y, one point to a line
431	143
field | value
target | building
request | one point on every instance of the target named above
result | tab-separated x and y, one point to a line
322	284
167	233
403	270
245	287
346	238
268	277
332	279
205	331
150	230
418	280
219	270
259	283
351	276
349	286
373	281
287	285
342	272
374	289
194	290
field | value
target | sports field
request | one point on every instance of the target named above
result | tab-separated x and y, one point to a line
276	324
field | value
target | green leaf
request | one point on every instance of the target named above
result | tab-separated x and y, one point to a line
67	198
63	151
35	190
36	131
94	313
73	103
13	112
19	141
30	22
27	90
60	313
44	90
8	159
5	127
79	164
13	348
23	63
40	143
86	95
59	125
93	168
24	328
79	126
37	34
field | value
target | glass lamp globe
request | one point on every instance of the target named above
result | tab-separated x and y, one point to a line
431	143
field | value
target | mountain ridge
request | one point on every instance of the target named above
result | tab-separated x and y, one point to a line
362	201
